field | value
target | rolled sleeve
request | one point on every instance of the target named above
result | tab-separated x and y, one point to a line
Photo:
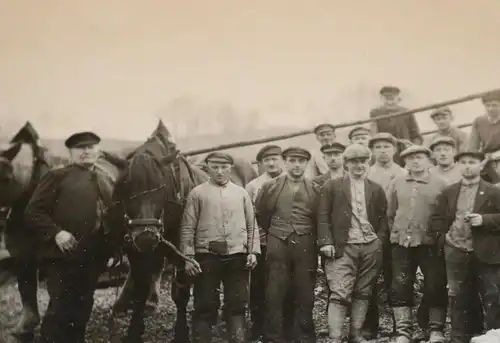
253	238
189	223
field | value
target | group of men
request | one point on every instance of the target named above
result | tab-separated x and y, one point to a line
365	208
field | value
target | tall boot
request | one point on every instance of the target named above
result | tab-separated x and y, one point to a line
359	308
403	324
459	331
202	331
236	329
336	319
437	318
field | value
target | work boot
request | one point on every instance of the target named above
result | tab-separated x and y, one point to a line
336	319
403	324
359	308
236	329
437	318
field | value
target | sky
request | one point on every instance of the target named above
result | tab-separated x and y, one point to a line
116	66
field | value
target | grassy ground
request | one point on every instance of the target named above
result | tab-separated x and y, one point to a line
159	325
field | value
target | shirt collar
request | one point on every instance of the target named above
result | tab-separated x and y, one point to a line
447	169
424	179
213	183
470	183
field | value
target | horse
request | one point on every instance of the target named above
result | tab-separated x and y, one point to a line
149	201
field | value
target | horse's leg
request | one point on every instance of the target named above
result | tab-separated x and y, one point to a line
181	292
28	286
124	301
155	285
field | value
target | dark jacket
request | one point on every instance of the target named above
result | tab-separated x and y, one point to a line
65	199
267	198
486	238
335	212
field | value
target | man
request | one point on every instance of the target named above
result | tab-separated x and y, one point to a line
444	150
443	118
465	221
332	153
360	135
383	172
402	127
286	210
352	225
485	132
494	161
325	134
217	229
411	198
67	211
272	163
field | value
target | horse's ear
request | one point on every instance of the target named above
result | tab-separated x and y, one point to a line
11	152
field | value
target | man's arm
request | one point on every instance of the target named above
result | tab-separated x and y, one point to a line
438	226
474	139
383	233
38	213
392	203
462	141
189	223
325	206
373	124
253	237
491	221
260	207
414	130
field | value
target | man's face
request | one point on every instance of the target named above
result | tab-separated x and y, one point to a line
492	108
357	166
272	164
443	121
390	99
444	154
85	155
295	165
361	138
219	171
417	163
470	167
333	159
325	136
383	151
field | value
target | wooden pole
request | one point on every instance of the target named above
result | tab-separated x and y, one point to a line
347	124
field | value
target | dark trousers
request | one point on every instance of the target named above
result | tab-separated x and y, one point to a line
258	298
231	271
466	313
405	262
291	263
71	284
489	277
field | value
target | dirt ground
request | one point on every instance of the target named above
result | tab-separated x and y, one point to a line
159	325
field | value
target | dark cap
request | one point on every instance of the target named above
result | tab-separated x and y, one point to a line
494	155
495	96
382	136
475	154
219	157
324	126
334	147
296	152
389	90
268	150
442	140
442	110
359	130
82	139
415	149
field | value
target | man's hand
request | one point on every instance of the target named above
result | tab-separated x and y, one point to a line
65	241
192	267
251	261
328	251
474	219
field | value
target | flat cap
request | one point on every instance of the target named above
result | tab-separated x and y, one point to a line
441	110
324	126
495	96
390	90
476	154
356	151
359	130
82	139
268	150
296	152
219	157
382	136
335	146
415	149
442	140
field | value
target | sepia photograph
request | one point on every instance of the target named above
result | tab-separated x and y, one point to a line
278	171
